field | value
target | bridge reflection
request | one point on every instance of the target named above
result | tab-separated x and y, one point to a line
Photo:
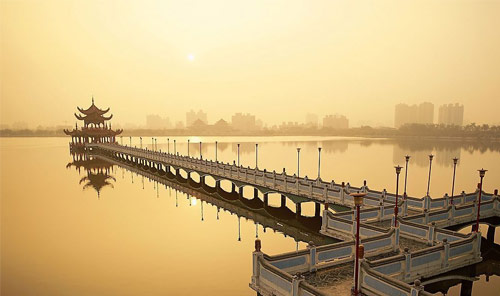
99	168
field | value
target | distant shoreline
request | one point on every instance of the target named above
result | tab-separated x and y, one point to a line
161	133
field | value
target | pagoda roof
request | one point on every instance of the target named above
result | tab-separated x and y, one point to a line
93	109
90	131
93	114
93	117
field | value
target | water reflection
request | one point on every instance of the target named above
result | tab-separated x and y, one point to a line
282	219
97	171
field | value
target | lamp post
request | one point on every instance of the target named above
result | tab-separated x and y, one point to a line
175	147
430	168
130	139
482	172
358	201
298	162
188	147
152	144
215	150
200	151
141	141
156	144
398	171
455	161
238	153
168	145
256	154
319	162
407	158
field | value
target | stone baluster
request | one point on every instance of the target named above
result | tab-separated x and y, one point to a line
407	270
446	253
416	288
431	234
312	256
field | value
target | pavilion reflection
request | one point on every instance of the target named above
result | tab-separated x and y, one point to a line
97	172
98	169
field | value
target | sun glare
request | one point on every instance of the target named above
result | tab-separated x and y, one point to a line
190	57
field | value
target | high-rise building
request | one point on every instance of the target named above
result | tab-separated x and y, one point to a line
425	113
243	122
405	114
335	121
451	114
192	116
311	120
157	122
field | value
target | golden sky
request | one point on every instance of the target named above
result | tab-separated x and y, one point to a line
276	59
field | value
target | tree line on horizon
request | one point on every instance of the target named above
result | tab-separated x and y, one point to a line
471	130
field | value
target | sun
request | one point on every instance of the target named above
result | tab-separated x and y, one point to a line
190	57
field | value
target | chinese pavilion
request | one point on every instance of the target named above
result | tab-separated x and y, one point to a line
95	127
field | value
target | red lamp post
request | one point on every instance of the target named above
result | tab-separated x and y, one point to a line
398	171
482	172
358	201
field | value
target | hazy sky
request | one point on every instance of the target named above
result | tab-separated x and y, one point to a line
276	59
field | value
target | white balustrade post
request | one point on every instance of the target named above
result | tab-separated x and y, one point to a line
296	279
416	288
407	270
312	256
431	234
446	253
324	219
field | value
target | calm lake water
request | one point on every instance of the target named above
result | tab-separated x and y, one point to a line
59	237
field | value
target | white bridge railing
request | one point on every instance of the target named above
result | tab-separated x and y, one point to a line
282	182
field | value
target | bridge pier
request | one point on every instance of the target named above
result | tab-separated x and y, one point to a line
233	187
317	209
490	235
266	199
283	201
466	288
240	191
255	193
298	209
